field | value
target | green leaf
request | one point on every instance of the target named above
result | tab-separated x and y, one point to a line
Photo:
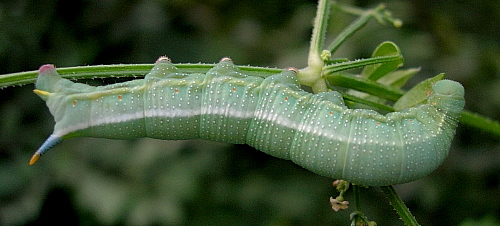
418	94
374	72
398	79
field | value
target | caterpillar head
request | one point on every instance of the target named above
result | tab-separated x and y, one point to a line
448	96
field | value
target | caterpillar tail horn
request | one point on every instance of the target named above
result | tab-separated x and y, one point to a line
48	144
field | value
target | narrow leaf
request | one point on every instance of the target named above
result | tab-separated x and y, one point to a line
398	79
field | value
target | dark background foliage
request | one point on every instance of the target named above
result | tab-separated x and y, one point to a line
99	181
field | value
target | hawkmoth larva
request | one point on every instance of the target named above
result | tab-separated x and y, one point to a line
274	115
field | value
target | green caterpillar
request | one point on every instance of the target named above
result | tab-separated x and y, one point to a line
274	115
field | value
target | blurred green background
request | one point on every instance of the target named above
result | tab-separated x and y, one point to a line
92	181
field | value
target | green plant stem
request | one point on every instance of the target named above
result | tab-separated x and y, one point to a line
399	206
311	75
120	70
319	34
357	198
480	122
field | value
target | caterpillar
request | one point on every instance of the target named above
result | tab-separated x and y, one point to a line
273	115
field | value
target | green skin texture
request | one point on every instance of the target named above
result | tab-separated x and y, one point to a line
274	115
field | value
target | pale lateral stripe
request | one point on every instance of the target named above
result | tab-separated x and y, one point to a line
275	118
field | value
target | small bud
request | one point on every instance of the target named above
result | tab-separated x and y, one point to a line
325	55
